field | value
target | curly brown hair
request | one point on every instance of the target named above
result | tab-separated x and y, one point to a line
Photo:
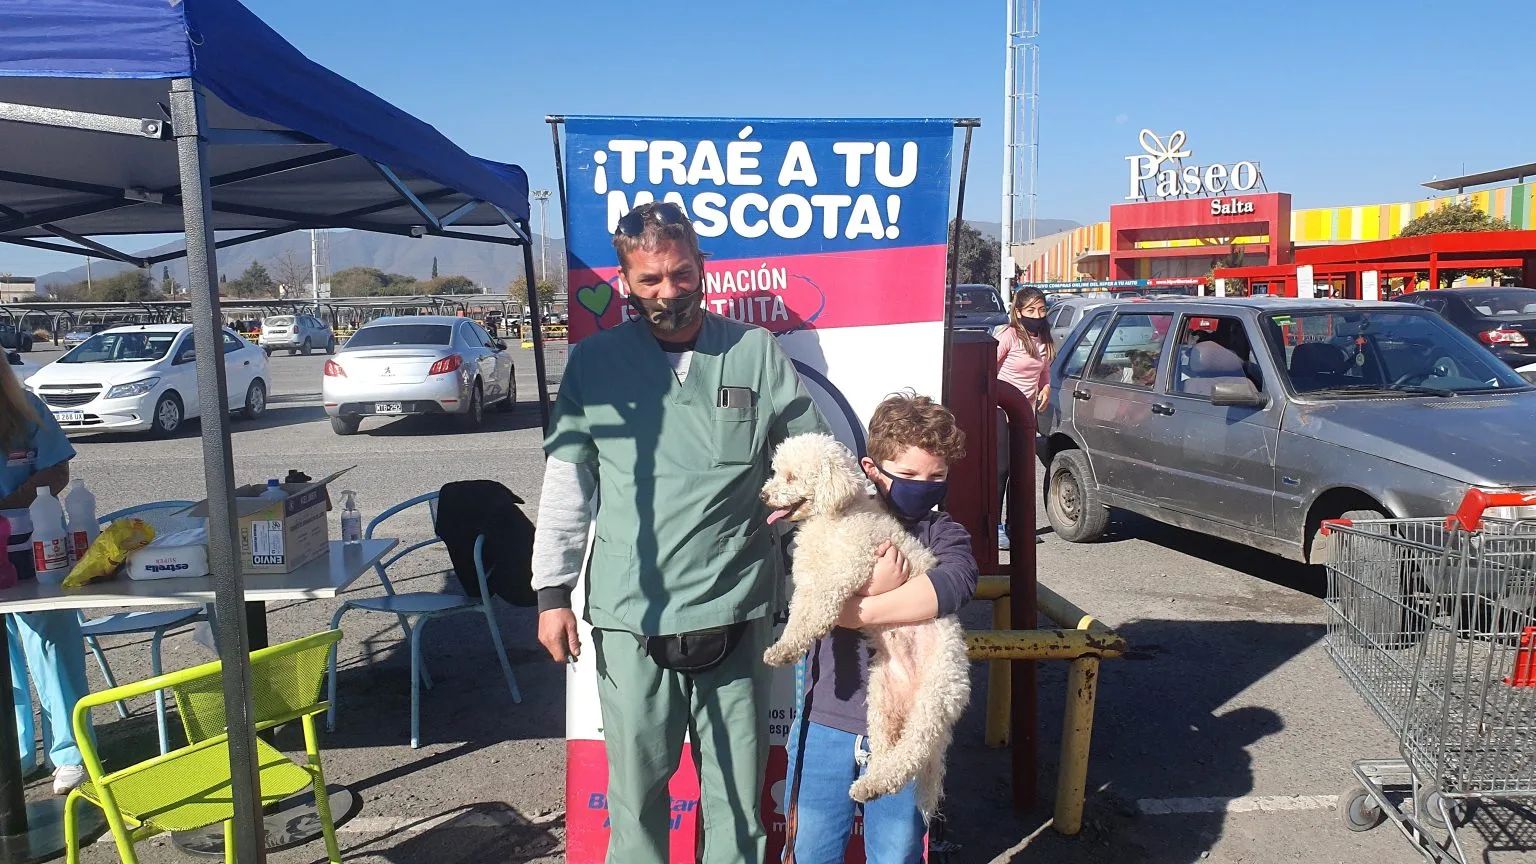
908	420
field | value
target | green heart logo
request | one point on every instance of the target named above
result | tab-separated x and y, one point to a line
595	298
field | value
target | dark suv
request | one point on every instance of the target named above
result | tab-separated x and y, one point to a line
978	307
12	339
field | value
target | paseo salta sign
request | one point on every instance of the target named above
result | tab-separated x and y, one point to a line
1160	172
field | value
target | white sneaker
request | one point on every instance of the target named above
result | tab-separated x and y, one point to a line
68	777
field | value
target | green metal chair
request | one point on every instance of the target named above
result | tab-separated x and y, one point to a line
189	788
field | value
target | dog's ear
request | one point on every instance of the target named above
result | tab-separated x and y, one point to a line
841	480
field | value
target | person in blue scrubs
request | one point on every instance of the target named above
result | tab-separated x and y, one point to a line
37	455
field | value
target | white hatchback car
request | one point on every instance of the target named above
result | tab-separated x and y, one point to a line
142	377
425	364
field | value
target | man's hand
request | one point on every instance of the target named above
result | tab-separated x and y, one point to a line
891	570
557	633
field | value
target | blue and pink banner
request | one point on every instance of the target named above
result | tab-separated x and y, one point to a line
829	233
809	224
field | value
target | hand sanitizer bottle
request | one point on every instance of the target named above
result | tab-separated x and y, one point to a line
351	519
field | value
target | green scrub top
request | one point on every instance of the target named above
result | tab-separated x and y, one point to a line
682	539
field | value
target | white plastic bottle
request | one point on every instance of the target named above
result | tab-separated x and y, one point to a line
274	491
50	540
80	507
351	518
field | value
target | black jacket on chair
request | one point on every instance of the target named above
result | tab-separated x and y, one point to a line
467	509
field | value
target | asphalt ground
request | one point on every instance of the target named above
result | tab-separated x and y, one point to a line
1223	735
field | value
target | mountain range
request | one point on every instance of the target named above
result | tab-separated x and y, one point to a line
491	265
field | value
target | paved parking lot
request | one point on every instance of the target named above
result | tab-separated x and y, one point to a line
1223	736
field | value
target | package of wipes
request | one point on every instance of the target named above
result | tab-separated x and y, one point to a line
171	556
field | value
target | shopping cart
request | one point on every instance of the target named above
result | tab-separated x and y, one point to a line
1434	623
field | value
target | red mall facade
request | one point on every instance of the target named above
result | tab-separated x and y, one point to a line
1144	231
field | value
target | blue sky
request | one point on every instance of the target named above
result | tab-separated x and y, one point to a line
1343	102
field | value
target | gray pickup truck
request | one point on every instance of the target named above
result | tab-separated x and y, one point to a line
1255	419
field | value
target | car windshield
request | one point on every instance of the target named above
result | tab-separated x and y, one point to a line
278	321
400	334
977	300
1348	352
130	347
1508	303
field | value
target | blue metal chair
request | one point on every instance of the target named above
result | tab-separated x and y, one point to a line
419	607
165	517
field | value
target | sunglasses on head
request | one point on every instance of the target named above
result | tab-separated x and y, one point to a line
665	213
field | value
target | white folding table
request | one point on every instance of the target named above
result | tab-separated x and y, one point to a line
320	579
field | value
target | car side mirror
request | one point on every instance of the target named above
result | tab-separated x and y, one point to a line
500	345
1240	393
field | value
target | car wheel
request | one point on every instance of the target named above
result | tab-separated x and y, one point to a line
305	348
292	351
26	345
255	400
1076	511
330	347
509	403
167	417
346	424
475	416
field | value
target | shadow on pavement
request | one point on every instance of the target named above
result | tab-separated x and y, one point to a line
524	416
1222	553
1157	735
471	834
468	704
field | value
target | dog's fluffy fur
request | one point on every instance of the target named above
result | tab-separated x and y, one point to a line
919	680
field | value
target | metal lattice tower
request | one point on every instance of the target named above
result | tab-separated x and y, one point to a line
1021	126
542	196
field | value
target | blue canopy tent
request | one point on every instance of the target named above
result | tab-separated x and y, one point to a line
150	116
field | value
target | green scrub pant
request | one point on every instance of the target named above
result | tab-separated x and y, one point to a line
646	710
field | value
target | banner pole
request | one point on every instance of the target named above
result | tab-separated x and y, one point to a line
968	124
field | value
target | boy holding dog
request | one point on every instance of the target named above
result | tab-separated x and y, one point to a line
913	440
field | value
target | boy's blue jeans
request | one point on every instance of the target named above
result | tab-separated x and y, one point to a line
820	814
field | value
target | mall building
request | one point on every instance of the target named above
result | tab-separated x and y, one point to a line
1182	217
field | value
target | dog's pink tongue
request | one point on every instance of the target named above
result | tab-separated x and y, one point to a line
779	514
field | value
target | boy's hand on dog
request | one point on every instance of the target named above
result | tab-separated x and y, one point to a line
557	633
891	570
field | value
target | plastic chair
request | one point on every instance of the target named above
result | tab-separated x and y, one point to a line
189	788
165	517
422	606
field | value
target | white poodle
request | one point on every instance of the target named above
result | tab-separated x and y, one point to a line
919	681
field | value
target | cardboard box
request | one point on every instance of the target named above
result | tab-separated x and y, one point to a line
281	536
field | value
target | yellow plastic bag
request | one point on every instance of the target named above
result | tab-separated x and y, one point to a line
110	550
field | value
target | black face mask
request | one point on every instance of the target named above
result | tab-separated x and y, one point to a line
912	499
667	316
1035	326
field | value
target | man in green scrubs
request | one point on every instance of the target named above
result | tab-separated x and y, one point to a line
665	426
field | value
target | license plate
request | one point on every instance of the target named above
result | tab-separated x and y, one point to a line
69	416
386	408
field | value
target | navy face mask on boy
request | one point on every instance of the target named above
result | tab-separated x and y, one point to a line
912	499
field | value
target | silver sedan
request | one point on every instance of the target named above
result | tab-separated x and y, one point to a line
418	365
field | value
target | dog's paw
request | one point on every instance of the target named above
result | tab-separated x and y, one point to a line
863	791
779	655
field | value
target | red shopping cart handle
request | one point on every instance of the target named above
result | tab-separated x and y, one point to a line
1469	516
